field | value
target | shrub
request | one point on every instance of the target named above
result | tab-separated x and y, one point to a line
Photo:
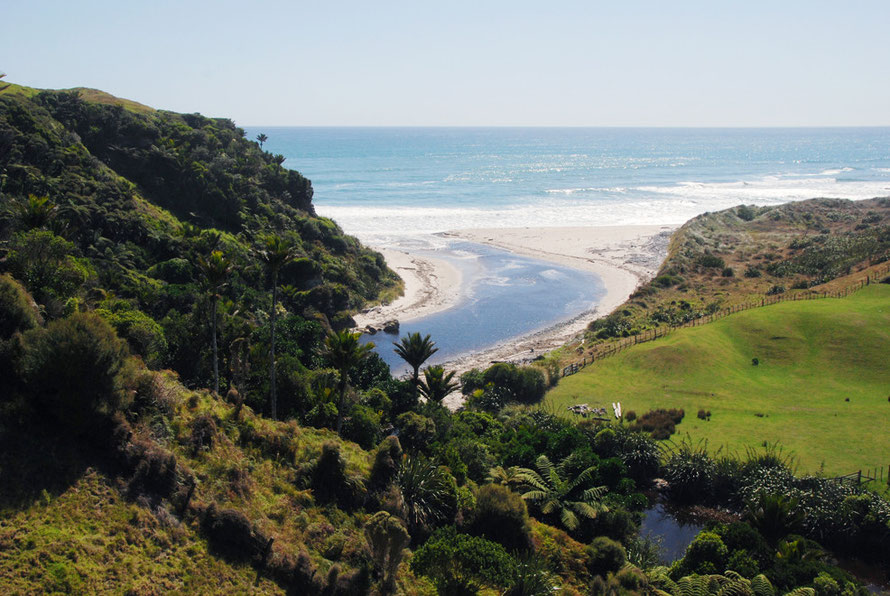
704	414
660	423
501	516
728	272
415	430
605	556
328	478
462	564
18	312
775	290
203	433
630	416
745	213
690	473
705	555
144	335
386	463
73	369
523	384
711	261
387	538
362	426
753	271
232	534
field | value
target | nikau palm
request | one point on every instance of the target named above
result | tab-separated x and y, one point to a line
436	385
343	352
275	254
561	497
415	350
214	271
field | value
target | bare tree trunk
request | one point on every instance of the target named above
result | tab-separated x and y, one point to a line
215	356
273	398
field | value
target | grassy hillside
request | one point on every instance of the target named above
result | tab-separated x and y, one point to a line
813	356
739	255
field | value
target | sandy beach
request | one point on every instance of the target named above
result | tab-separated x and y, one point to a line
431	285
622	256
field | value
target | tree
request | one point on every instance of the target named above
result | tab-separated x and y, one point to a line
387	538
415	350
214	271
424	492
461	564
261	138
560	497
35	212
436	384
274	255
343	352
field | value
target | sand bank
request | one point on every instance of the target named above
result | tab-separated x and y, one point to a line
431	285
622	256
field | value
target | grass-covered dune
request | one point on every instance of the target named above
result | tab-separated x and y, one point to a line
813	357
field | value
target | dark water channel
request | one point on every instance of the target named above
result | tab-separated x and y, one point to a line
673	534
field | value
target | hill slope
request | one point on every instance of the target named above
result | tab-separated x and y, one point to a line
813	355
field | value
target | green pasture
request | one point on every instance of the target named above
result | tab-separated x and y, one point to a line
814	356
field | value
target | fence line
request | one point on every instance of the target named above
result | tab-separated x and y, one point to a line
607	349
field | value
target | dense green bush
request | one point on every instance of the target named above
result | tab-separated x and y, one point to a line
706	554
461	564
605	556
415	431
72	369
17	310
690	473
144	335
522	384
501	516
711	261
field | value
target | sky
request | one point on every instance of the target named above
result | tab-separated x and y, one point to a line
467	63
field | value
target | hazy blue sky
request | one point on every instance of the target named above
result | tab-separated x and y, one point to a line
572	63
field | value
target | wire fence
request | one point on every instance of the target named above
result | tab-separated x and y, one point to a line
607	349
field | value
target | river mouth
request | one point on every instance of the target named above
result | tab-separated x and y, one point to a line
503	296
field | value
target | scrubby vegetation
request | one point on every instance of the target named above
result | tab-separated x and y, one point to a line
182	409
798	247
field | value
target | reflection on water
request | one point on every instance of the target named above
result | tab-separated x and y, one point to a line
504	296
675	535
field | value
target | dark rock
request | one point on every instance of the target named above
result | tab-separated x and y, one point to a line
391	326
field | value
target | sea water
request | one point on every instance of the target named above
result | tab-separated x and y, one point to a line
380	183
399	187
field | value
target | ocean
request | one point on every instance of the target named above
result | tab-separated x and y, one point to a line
382	184
398	187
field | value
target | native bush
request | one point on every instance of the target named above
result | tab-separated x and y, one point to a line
523	384
689	471
660	423
386	463
501	516
17	309
711	261
705	555
144	335
329	481
362	426
605	556
232	534
73	369
415	430
462	564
